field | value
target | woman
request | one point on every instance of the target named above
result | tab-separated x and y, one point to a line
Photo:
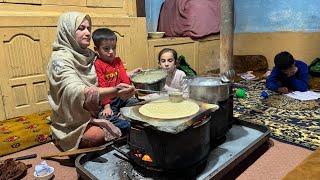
73	94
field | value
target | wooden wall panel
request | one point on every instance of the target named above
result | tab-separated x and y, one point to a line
104	3
21	60
132	39
22	1
209	53
106	8
183	46
40	91
187	50
20	96
64	2
202	55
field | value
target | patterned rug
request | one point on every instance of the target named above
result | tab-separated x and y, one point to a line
292	121
24	132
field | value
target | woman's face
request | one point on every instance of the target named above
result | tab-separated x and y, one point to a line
167	61
83	34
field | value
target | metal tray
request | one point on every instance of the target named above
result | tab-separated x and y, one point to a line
241	140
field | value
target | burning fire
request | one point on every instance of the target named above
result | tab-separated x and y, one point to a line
197	122
145	157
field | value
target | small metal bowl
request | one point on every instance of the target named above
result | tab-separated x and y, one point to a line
175	97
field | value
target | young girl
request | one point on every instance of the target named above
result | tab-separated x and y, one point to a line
175	80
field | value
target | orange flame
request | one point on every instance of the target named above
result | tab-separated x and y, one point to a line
147	158
138	155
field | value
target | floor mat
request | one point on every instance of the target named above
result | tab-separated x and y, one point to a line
24	132
292	121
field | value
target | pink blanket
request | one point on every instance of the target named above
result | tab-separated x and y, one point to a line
189	18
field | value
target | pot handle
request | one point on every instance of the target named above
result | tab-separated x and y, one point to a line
201	122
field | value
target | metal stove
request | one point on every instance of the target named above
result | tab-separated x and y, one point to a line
241	140
173	145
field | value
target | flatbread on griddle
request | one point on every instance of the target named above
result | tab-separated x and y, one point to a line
165	109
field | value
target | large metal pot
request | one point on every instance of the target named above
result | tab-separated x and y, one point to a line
209	89
155	84
213	90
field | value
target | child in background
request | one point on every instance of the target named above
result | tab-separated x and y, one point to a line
111	72
288	74
175	81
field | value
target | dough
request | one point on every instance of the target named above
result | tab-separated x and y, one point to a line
164	109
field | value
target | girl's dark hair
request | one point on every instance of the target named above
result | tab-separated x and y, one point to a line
103	34
283	60
174	53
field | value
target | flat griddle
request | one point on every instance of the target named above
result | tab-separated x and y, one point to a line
167	125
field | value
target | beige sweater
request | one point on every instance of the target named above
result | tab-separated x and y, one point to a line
70	71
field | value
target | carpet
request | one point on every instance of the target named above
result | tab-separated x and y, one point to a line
291	121
24	132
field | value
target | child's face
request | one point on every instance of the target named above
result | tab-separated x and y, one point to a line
83	34
107	50
167	61
291	71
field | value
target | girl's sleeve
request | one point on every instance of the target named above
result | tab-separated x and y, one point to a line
184	84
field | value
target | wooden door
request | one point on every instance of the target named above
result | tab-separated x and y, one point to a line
24	56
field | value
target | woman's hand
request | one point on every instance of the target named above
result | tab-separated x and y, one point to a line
125	91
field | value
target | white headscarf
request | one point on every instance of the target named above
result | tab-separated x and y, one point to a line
70	70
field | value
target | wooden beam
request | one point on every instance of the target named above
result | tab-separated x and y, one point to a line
141	8
226	34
